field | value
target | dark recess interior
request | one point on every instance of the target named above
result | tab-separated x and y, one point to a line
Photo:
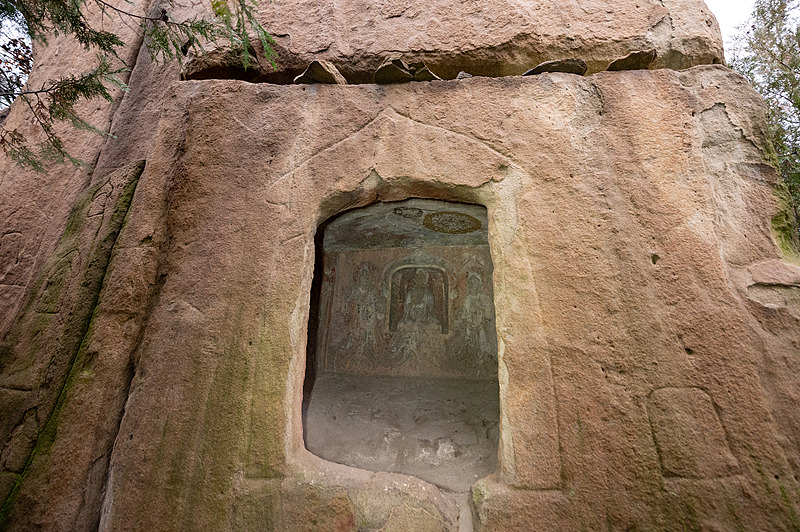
401	372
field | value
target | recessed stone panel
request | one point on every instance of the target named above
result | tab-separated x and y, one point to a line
689	435
405	378
407	291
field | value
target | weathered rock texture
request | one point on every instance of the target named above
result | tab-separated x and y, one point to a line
647	310
34	207
402	356
497	38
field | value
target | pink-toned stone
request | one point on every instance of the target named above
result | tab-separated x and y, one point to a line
629	227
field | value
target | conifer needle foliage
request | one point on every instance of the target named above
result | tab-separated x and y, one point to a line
55	100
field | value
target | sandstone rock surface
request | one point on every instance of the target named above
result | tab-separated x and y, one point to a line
624	302
496	38
393	70
634	61
568	66
648	311
56	230
321	72
34	207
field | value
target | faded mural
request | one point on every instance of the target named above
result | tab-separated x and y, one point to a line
407	290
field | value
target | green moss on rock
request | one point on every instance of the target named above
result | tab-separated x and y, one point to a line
31	323
785	227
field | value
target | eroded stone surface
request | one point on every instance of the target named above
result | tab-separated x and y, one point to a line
505	37
628	215
34	207
573	65
393	70
44	358
586	337
443	431
689	436
321	72
634	61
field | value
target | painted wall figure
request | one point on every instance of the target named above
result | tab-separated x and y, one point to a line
400	319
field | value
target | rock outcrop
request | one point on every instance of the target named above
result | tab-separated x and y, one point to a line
155	314
321	72
572	65
498	38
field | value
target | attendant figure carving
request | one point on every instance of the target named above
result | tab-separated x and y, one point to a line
418	309
476	320
362	305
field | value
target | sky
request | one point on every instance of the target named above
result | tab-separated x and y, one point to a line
730	13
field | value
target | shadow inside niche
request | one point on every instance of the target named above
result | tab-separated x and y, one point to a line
401	369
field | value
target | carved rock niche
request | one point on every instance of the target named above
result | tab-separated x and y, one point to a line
402	363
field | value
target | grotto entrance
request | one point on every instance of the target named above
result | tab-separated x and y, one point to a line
402	365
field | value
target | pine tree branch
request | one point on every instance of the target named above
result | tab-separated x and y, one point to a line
165	38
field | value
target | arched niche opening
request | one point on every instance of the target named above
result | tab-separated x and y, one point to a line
401	369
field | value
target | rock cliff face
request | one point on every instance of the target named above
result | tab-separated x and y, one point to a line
499	38
156	305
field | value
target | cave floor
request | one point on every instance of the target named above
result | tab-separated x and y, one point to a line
444	431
